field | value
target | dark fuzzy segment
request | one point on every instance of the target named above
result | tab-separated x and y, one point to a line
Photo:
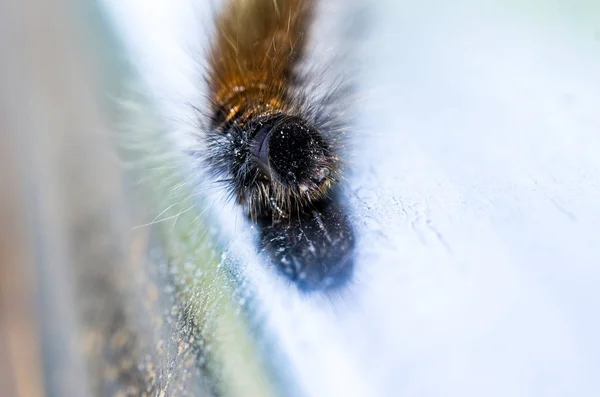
297	160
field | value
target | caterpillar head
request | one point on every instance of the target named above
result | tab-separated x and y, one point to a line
287	165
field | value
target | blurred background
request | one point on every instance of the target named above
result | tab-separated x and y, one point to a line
474	192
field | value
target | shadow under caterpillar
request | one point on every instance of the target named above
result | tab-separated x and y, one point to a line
273	143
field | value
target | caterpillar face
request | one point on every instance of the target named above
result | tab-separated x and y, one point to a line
278	164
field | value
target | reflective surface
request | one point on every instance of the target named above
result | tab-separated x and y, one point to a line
474	203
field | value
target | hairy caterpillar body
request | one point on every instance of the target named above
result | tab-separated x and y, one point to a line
276	150
274	143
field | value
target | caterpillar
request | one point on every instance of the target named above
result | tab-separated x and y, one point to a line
270	140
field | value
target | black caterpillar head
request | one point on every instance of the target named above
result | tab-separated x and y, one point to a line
279	164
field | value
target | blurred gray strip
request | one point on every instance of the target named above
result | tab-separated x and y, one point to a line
102	324
40	99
